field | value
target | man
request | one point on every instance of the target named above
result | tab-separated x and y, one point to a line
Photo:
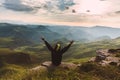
57	52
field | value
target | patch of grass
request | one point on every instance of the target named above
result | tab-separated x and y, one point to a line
103	73
87	71
56	74
12	72
117	55
4	51
78	61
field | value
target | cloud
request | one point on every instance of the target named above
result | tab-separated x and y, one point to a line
63	4
55	6
58	6
16	5
102	0
59	11
117	12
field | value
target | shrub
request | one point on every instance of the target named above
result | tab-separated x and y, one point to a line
86	67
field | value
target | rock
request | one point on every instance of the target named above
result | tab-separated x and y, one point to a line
104	63
100	58
47	66
113	59
106	57
42	68
113	63
101	55
64	65
112	51
92	59
78	65
110	61
68	65
103	52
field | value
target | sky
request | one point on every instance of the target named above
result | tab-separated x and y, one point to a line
61	12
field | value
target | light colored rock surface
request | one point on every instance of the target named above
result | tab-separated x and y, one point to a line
103	52
39	68
113	59
47	66
108	58
92	59
66	65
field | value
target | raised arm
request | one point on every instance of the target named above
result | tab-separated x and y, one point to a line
67	47
47	44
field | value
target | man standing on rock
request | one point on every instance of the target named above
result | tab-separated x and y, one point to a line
57	52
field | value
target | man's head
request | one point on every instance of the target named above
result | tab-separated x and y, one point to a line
57	47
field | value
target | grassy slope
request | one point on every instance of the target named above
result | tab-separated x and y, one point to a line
13	72
88	71
77	54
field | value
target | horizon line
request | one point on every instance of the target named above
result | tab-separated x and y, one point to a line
27	23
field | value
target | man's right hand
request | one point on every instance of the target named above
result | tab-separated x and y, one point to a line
42	38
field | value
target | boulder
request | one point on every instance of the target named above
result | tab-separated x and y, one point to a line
113	59
103	52
38	68
104	63
106	57
47	66
110	61
65	65
101	55
92	59
100	58
112	51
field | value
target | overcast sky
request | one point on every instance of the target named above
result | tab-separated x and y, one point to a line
61	12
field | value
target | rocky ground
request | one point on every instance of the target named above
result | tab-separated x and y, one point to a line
47	66
103	57
107	57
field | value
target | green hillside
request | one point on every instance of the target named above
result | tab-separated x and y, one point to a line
13	63
77	53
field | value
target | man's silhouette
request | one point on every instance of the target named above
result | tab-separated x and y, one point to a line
57	52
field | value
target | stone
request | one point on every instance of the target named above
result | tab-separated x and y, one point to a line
47	66
106	57
39	68
92	59
65	65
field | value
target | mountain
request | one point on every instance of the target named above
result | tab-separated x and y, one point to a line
30	34
23	35
87	33
71	33
104	31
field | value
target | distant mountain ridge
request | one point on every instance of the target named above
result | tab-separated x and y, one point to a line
33	33
89	33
